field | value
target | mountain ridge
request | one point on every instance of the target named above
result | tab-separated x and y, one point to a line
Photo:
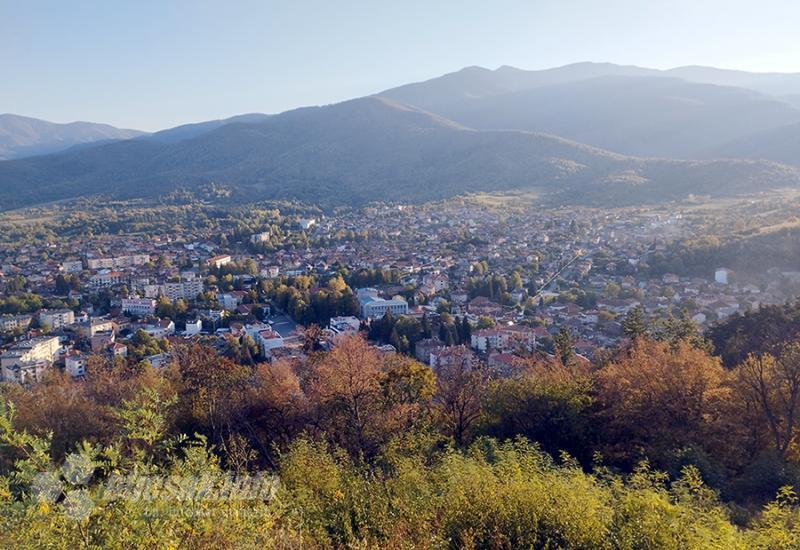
627	112
587	131
27	136
370	149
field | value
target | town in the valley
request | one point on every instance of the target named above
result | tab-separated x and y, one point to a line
493	281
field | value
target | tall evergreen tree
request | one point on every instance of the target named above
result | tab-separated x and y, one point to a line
564	345
635	324
466	330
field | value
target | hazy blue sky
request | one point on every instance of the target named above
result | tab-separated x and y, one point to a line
152	64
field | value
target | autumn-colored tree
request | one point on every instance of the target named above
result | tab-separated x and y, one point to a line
546	402
274	408
408	388
59	406
407	381
345	393
361	398
80	411
311	336
461	384
771	385
209	389
654	398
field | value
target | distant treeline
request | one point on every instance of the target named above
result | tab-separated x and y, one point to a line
754	253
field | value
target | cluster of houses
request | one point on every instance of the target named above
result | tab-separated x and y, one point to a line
581	269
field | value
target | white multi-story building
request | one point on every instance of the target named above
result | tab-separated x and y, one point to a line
107	279
75	364
489	338
268	340
193	327
161	329
141	307
231	300
56	319
27	360
100	263
119	262
94	325
71	266
504	338
373	306
270	272
10	323
152	291
184	290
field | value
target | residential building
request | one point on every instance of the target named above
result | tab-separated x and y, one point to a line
56	319
193	327
75	364
260	237
219	261
489	338
424	348
71	266
437	281
503	338
94	325
27	360
344	325
187	289
102	340
161	329
11	323
482	305
231	300
270	272
269	340
213	315
119	262
159	360
118	350
452	356
503	364
110	278
141	307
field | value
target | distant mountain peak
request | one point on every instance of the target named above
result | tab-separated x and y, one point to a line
476	69
22	136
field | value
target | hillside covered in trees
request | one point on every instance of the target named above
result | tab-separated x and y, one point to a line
657	445
371	149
